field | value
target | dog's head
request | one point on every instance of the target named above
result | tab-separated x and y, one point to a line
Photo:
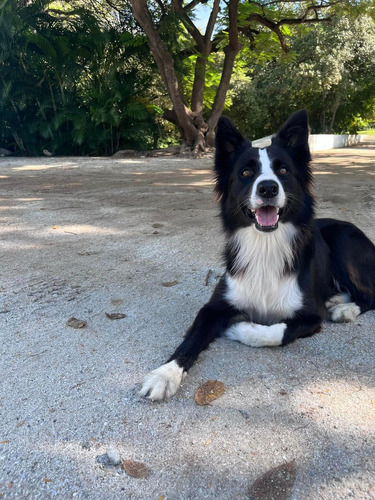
261	187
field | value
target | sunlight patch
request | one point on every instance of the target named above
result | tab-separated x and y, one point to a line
337	404
85	229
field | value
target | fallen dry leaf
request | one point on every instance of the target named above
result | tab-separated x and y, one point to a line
275	484
135	469
115	315
6	441
157	225
209	391
170	283
75	323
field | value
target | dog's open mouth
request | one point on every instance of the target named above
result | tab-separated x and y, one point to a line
266	217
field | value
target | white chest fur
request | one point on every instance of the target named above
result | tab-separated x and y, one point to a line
261	286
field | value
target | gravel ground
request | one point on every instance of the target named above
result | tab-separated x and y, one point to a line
82	237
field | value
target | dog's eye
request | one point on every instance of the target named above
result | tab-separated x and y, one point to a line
283	171
247	172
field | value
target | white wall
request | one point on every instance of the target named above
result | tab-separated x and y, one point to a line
320	142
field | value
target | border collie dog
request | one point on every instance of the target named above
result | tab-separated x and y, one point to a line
285	270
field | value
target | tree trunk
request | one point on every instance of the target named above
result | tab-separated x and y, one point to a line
198	85
335	107
165	65
204	46
195	132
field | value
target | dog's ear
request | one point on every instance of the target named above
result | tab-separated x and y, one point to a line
229	141
228	138
294	135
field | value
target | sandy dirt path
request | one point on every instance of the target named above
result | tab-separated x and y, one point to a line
82	237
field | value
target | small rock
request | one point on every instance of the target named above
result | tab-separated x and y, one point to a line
113	456
5	152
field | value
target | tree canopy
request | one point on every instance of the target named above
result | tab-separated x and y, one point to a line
331	73
95	76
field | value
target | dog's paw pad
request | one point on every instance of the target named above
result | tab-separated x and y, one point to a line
163	382
344	313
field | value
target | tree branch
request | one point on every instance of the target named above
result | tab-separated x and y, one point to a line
264	21
190	26
230	52
113	6
322	5
212	20
275	26
162	7
192	4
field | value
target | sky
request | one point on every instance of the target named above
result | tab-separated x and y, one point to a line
203	13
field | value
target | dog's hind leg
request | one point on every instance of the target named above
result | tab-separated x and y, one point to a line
210	322
353	268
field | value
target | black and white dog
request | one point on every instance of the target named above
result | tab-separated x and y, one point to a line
285	271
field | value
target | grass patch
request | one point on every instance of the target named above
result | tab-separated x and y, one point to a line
371	131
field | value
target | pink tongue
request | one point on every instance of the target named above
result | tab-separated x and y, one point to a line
266	216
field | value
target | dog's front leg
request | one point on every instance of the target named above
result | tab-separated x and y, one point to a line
209	324
278	334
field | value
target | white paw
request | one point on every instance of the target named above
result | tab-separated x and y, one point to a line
257	335
340	298
163	382
344	313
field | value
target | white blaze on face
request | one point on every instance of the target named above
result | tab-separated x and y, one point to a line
266	174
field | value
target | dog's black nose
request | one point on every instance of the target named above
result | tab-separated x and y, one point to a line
267	189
